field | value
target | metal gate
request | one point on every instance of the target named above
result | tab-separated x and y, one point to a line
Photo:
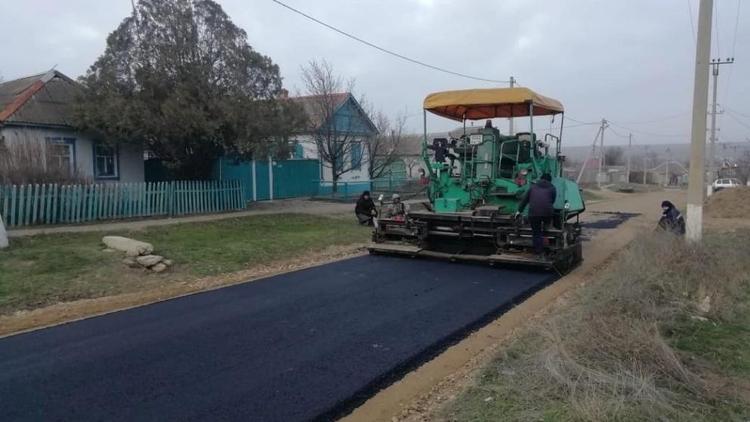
286	179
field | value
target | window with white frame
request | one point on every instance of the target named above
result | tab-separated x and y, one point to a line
60	154
105	161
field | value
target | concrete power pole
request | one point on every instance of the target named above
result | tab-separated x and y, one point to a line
630	153
715	63
694	223
510	120
602	156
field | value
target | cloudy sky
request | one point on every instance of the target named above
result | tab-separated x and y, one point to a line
630	61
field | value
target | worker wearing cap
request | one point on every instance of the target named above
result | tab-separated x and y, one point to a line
540	198
397	209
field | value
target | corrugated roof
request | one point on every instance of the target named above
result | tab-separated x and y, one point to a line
44	99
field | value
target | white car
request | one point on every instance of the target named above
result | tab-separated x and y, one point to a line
720	184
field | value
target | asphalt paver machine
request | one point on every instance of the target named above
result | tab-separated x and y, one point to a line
476	180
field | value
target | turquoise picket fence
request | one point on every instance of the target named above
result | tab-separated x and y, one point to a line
27	205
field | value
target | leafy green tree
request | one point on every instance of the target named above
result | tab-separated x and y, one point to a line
179	77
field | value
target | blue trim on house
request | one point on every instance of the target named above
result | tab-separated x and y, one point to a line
117	160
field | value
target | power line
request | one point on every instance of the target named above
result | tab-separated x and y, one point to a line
384	50
581	124
618	134
581	121
736	25
716	28
665	118
661	135
737	112
692	24
737	119
726	92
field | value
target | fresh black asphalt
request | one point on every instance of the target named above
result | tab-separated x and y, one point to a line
311	344
612	220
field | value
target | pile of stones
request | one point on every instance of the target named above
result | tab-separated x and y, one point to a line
137	254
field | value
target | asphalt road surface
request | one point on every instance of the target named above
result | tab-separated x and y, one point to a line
311	344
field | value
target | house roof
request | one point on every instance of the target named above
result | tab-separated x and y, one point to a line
311	104
44	99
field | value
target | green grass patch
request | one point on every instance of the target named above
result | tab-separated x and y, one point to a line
39	270
722	342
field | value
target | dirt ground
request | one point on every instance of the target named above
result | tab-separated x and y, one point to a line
415	396
729	203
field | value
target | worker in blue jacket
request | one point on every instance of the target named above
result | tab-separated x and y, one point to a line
540	198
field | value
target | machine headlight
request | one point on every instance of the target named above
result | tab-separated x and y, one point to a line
567	205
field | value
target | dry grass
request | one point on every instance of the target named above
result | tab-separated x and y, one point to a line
729	203
29	162
611	353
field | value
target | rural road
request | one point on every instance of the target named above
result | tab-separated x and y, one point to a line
311	344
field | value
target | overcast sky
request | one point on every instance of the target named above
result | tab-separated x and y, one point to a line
629	61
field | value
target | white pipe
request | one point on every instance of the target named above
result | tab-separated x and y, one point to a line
3	235
270	178
255	185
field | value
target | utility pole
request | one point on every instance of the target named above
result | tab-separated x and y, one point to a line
592	154
510	120
715	63
666	173
602	156
694	223
630	153
644	170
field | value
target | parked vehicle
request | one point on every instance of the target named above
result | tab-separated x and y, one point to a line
720	184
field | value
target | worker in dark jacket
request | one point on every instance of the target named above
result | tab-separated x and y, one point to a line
540	198
365	209
671	219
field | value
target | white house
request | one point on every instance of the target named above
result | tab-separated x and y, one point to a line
37	110
351	122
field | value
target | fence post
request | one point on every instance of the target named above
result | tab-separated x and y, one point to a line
170	198
4	198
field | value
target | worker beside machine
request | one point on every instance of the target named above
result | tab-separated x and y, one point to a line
540	198
365	209
396	209
521	177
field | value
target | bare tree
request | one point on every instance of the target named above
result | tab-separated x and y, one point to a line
411	164
337	138
383	148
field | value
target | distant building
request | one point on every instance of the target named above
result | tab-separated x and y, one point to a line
406	158
37	110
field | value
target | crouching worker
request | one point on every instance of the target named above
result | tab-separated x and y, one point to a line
540	198
671	219
365	209
397	209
